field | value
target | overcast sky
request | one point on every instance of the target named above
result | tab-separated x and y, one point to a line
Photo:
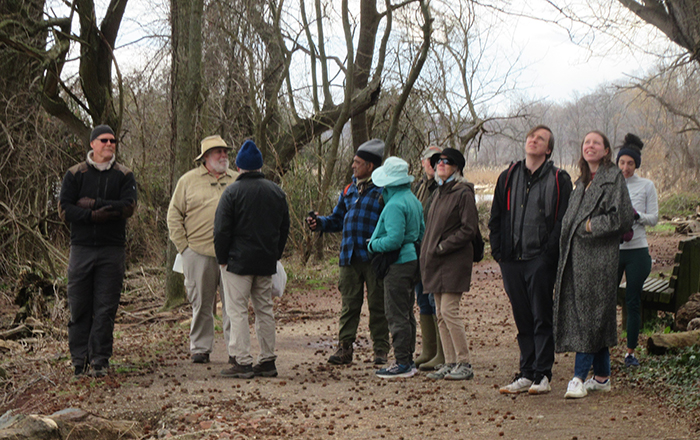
556	69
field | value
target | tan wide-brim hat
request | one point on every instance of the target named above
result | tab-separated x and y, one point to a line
210	142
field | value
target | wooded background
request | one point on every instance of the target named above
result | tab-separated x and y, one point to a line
309	81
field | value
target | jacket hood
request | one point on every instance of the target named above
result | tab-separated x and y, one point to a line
389	191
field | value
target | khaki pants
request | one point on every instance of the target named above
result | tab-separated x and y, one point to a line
202	278
452	334
239	290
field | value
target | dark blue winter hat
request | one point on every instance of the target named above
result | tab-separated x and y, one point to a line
249	157
632	148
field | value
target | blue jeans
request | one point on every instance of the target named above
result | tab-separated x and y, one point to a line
426	303
600	362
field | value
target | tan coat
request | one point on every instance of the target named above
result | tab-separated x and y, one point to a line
192	209
447	253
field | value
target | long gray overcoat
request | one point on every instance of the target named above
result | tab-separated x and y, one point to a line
586	286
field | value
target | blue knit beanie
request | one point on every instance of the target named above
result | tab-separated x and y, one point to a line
249	157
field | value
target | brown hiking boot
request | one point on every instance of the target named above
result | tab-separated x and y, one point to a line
343	356
238	371
380	357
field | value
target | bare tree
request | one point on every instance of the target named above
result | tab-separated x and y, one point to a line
186	98
679	20
95	43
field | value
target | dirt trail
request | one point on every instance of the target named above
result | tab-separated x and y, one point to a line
311	399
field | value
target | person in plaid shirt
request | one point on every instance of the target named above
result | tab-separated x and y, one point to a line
356	215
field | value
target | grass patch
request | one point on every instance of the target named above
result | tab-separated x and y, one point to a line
661	228
679	205
674	376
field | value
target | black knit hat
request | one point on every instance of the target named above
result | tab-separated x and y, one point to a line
99	130
632	147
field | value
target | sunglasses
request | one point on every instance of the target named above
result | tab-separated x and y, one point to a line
105	141
445	160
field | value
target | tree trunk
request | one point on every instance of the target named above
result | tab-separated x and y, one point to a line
660	343
186	24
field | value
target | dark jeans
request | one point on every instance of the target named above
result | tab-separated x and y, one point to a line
95	276
398	304
529	286
352	291
636	265
426	304
600	362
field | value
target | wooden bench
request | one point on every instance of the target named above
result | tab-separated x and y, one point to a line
669	293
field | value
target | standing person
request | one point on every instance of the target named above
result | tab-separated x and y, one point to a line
635	261
250	231
356	215
399	229
529	202
446	258
191	227
431	348
97	196
599	213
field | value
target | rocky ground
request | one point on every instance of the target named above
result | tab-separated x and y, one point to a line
154	383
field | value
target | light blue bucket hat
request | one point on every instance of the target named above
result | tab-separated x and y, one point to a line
394	172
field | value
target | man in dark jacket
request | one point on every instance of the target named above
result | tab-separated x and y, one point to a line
250	231
97	196
529	202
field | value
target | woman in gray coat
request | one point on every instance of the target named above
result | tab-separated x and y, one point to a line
585	319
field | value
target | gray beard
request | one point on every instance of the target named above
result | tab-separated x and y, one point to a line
218	167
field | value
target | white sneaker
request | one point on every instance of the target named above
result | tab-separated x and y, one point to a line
519	385
575	390
593	385
540	388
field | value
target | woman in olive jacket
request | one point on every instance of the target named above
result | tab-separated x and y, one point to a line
446	258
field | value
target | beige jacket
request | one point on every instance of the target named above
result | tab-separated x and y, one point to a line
192	209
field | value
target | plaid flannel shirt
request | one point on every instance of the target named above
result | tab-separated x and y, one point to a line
356	215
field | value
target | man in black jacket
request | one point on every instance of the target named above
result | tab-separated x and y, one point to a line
97	196
250	231
529	202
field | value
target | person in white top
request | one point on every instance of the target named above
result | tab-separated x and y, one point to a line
635	261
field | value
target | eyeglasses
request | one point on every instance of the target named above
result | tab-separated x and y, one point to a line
111	141
445	160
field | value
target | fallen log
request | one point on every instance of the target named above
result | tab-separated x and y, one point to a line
660	343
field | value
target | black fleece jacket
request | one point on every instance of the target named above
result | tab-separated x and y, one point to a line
114	187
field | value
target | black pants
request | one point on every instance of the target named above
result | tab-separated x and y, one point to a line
529	285
95	276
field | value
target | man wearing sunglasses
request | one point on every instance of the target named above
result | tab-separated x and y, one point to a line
529	202
97	196
191	227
